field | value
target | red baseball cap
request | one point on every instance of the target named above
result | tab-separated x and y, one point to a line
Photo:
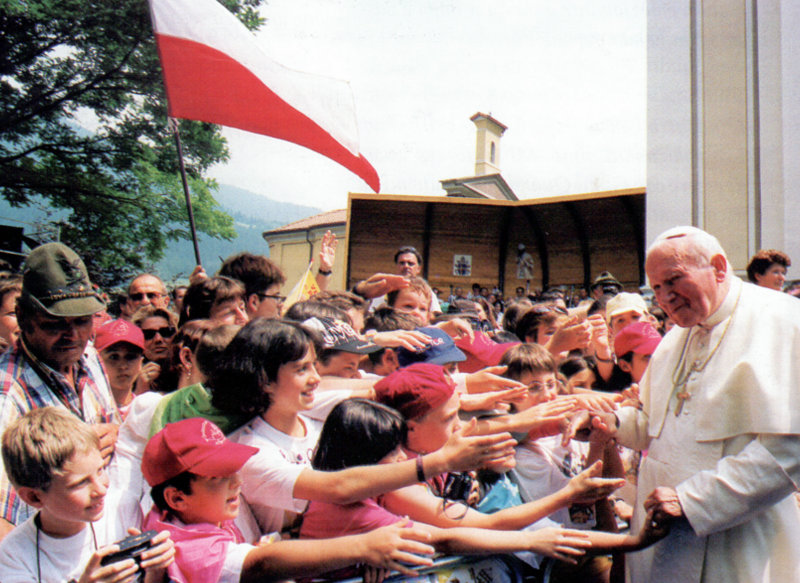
118	331
415	389
639	337
481	352
192	445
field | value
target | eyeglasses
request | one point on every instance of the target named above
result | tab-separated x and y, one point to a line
536	387
139	296
278	298
165	332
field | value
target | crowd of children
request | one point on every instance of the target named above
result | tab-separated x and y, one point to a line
345	436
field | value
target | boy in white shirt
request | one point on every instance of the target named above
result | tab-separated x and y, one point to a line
53	460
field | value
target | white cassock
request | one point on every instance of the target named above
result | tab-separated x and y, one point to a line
733	452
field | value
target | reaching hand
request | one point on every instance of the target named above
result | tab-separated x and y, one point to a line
560	543
492	399
464	452
596	401
652	531
327	251
549	418
583	422
573	335
665	504
385	547
599	342
457	328
489	379
588	487
408	339
380	284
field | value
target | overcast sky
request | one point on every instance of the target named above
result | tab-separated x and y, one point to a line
568	78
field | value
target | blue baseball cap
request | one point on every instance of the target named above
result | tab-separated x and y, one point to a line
441	350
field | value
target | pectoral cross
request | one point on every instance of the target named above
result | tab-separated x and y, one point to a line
682	397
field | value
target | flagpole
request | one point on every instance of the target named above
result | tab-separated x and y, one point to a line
174	124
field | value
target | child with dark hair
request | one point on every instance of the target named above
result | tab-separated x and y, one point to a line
302	311
220	299
121	348
360	432
268	373
578	372
193	471
354	305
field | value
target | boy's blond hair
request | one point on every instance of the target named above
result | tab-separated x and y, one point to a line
37	445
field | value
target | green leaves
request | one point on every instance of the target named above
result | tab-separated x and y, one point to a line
83	124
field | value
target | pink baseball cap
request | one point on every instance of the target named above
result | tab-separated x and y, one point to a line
192	445
416	389
639	337
118	331
481	352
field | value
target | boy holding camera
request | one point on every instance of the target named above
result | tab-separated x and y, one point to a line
53	460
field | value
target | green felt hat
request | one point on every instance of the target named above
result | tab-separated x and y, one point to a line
55	280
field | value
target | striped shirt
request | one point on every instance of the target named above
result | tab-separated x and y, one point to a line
27	383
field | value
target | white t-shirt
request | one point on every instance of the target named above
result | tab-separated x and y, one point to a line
544	466
60	559
268	478
128	491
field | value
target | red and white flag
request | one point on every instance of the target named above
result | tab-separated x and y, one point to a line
214	71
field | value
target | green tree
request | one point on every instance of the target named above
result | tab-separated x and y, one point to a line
67	60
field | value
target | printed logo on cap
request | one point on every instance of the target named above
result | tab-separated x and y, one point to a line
211	433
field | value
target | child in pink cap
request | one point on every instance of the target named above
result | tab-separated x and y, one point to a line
193	470
121	348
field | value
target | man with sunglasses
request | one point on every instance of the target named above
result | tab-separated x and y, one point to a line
50	364
146	289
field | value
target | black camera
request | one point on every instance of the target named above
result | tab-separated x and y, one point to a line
457	486
130	548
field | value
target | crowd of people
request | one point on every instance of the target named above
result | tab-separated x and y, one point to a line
592	435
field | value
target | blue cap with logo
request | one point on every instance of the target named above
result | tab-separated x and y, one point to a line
441	350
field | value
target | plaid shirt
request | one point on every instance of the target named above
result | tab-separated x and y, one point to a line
26	383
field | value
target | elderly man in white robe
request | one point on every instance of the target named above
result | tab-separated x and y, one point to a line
720	421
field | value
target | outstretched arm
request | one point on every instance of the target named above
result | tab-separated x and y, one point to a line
384	547
463	451
421	505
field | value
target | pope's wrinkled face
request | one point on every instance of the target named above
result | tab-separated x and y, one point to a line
688	287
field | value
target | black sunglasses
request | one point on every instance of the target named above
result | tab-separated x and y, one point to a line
165	332
137	297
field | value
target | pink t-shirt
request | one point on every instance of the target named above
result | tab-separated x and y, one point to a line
200	549
326	520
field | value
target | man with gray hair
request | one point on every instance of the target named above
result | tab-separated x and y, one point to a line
720	421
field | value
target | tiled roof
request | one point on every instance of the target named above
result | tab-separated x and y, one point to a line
337	217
